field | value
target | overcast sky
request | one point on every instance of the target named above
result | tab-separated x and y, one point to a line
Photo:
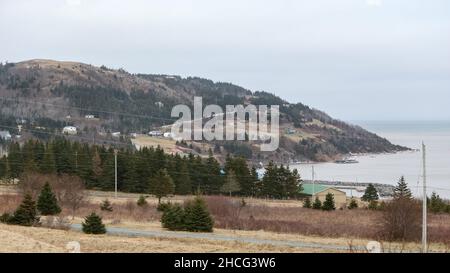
355	59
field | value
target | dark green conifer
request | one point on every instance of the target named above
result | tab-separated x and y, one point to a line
47	203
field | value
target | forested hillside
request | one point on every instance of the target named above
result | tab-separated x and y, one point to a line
50	94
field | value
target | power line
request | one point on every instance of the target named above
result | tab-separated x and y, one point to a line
86	109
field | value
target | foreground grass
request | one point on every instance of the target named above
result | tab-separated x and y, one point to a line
260	218
44	240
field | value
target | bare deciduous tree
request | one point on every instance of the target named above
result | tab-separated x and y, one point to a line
69	190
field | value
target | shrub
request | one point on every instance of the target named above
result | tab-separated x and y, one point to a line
141	202
373	205
163	206
106	206
317	204
328	204
93	224
173	217
307	203
197	216
26	214
353	204
47	203
5	218
402	220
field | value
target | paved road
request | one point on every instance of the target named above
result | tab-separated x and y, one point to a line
216	237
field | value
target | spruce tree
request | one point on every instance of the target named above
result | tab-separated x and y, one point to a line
106	205
182	180
197	216
231	184
93	224
162	185
402	190
328	204
26	214
3	167
141	202
47	203
317	204
436	203
371	194
307	203
353	204
173	217
48	165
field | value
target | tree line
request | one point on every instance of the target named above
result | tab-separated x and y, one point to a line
148	170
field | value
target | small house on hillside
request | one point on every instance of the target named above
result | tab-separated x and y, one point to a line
155	133
5	135
70	130
320	191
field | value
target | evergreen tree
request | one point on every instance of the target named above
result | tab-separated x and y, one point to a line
141	202
93	224
162	185
231	184
106	205
328	204
29	157
15	160
212	178
371	194
402	190
437	204
269	182
182	181
317	204
256	183
47	204
197	217
173	217
242	173
26	214
48	165
96	169
107	177
353	204
307	203
4	168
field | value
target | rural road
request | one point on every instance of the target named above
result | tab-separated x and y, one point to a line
215	237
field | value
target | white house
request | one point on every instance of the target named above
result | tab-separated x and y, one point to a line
168	135
5	135
70	130
155	133
89	116
115	134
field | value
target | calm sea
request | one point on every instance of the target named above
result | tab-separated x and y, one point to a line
388	168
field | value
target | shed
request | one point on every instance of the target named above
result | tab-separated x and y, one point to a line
320	191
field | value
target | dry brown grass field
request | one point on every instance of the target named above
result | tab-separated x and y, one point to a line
259	218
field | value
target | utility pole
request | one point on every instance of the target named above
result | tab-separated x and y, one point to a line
76	161
314	184
115	173
424	206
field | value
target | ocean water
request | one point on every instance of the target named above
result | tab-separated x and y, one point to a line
388	168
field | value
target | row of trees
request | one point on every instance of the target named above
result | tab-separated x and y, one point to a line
148	170
27	213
